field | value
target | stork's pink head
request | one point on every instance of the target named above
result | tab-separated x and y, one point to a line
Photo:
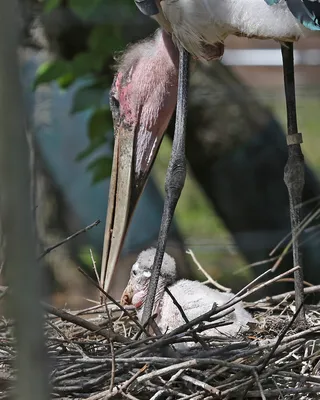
143	98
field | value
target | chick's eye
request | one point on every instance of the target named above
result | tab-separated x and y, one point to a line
134	272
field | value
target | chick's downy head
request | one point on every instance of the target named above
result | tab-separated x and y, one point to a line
137	288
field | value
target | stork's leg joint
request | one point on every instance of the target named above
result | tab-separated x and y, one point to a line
294	138
294	171
176	177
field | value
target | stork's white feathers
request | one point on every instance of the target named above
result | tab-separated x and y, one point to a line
194	297
209	21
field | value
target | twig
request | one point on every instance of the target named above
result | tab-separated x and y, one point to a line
107	394
49	249
284	391
303	224
108	296
280	297
239	271
77	347
168	338
203	385
113	366
205	273
64	315
94	266
186	320
252	283
236	299
256	377
192	363
279	340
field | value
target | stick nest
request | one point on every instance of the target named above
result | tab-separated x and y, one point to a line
95	354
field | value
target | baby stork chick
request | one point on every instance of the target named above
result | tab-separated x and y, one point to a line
194	297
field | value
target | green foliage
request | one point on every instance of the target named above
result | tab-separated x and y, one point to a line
92	66
86	9
100	168
50	71
99	123
51	5
87	97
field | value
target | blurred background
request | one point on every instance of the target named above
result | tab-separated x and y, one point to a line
234	208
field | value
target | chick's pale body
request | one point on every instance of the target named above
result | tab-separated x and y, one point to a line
197	299
194	298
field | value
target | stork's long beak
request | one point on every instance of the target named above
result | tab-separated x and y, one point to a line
133	158
120	191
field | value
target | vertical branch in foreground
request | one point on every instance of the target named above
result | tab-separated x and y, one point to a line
22	272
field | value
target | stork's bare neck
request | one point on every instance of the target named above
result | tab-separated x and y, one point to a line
193	22
147	92
147	76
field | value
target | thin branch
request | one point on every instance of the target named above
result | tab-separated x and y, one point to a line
201	384
49	249
64	315
108	296
205	273
186	320
279	297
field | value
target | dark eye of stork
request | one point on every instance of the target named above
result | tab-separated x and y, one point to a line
114	103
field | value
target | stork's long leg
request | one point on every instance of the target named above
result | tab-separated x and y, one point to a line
175	179
294	169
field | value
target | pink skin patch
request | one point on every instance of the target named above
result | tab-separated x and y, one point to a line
138	298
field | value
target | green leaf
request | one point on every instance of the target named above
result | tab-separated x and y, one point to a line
87	97
99	123
51	5
85	9
100	168
66	81
50	71
85	63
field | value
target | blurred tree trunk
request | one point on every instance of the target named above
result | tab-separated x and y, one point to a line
22	272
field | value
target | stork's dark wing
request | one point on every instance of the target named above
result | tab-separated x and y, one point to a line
306	11
271	2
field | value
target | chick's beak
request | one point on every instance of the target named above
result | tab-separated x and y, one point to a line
127	295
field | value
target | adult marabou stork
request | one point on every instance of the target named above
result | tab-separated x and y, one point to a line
154	73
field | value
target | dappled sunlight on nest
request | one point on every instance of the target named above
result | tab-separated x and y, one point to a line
96	354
